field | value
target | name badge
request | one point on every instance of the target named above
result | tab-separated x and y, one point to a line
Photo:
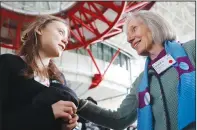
163	63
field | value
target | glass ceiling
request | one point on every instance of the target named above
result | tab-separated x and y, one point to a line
35	8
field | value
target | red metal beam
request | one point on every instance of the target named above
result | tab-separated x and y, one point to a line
108	4
112	33
135	6
98	78
92	57
79	36
7	46
89	22
75	36
16	16
82	38
9	26
80	5
82	23
113	58
77	7
5	40
149	6
89	41
79	23
100	13
93	14
121	22
18	36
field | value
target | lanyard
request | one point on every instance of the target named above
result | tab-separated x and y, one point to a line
164	100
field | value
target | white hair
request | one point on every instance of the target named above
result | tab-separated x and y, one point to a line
161	30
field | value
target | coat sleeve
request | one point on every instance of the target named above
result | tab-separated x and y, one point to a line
26	118
124	116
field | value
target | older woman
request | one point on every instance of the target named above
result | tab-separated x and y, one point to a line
163	96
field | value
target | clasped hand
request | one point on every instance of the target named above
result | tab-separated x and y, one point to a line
66	110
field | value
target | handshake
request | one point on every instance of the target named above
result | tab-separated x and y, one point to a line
64	103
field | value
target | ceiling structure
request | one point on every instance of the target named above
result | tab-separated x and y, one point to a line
90	22
36	8
88	27
181	16
108	25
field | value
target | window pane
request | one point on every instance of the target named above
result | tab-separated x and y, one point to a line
73	50
117	59
82	51
93	48
124	61
128	61
107	53
100	51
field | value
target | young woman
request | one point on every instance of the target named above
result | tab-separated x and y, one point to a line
163	96
24	76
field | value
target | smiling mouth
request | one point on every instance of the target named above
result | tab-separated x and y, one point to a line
136	43
62	46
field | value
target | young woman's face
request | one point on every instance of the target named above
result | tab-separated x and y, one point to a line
53	39
139	36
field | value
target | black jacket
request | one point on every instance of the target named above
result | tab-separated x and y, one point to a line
25	104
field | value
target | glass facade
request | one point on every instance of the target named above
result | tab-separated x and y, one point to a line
105	53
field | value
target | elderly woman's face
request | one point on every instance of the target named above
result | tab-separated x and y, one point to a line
139	36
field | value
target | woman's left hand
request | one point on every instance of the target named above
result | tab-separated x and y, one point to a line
72	123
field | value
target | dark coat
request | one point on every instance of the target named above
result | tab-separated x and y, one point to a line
25	104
